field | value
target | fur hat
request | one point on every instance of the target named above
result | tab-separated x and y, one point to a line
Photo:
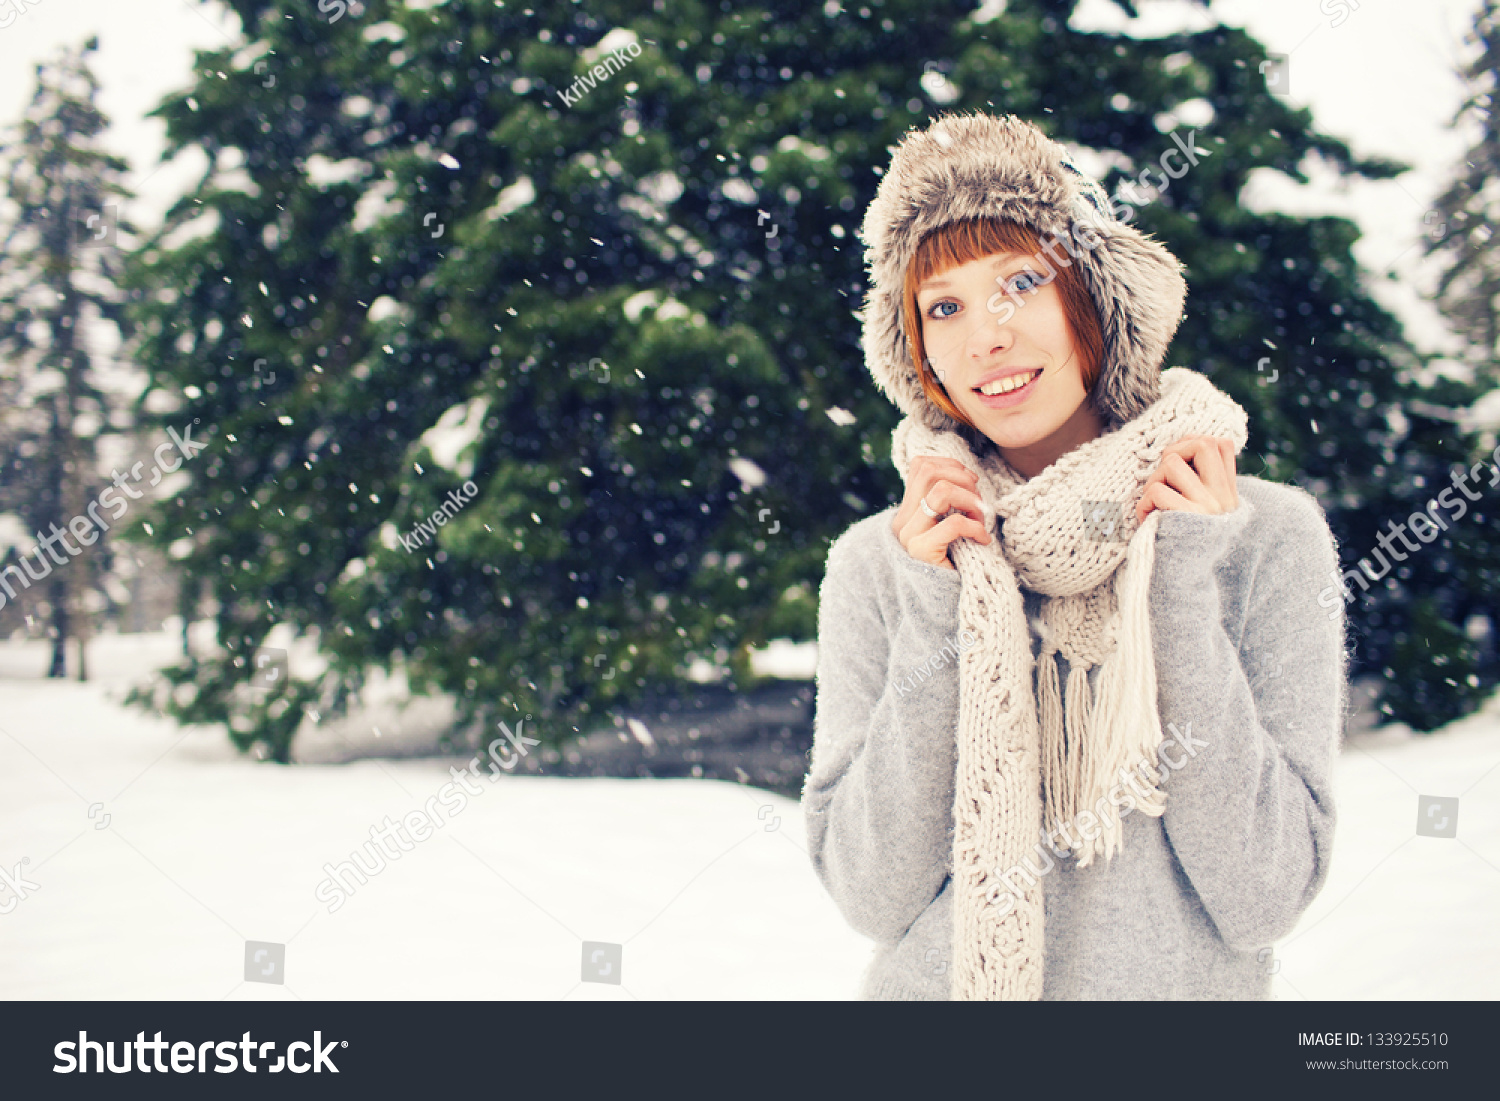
977	165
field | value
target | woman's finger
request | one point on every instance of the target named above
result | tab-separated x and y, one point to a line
1193	466
942	496
1180	475
1212	459
1161	497
931	467
922	473
1226	449
931	546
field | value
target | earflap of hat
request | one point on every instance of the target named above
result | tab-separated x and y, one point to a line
973	165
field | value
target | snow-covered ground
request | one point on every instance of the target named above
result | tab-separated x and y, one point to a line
705	885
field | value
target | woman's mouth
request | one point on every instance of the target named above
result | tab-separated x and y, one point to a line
1008	391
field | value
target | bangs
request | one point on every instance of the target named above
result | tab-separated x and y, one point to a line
958	243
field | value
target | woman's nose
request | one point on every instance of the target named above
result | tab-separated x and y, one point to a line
991	338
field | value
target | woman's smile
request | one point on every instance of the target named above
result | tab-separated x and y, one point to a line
1008	390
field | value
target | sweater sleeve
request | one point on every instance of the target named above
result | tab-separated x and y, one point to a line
878	800
1249	814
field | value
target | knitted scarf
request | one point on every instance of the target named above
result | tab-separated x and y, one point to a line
1071	535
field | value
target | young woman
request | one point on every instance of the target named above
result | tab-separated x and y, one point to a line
1078	704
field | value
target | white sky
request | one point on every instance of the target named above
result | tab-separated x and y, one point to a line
1383	80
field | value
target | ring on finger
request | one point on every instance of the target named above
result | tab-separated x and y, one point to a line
926	508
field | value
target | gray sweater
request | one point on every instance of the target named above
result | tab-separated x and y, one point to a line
1191	907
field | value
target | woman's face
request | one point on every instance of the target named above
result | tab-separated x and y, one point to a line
980	338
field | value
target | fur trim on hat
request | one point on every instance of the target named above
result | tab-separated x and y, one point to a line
977	165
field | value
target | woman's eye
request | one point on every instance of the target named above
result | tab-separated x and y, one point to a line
1033	279
936	306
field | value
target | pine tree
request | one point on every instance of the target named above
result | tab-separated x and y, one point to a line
610	253
58	275
1431	623
1461	229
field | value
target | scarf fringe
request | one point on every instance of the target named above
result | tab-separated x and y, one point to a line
1054	750
1125	726
1088	737
1077	726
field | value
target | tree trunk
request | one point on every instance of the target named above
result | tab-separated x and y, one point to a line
187	603
59	630
80	616
78	587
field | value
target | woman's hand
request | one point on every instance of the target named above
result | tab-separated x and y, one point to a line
946	484
1196	474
